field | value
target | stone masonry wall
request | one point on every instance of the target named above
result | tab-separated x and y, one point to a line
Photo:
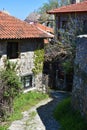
70	20
25	59
79	92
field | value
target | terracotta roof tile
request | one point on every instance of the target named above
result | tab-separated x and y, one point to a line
45	28
79	7
13	28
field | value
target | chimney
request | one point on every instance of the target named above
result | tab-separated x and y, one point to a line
75	1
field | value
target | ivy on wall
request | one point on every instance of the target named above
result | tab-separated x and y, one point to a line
38	61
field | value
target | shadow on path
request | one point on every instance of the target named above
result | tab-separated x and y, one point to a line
45	112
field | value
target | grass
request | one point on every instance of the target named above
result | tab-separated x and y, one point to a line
69	119
22	103
3	127
31	117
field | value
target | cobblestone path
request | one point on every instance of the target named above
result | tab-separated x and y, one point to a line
40	117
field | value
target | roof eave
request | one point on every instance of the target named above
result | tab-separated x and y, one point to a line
54	12
26	38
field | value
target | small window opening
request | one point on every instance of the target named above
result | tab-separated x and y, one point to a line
12	50
27	81
64	25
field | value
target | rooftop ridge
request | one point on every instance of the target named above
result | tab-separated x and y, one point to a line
72	8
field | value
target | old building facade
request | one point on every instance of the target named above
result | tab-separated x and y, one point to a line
77	12
64	16
18	42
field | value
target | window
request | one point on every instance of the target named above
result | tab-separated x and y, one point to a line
12	50
64	25
27	81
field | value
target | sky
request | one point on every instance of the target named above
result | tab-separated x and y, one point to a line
21	8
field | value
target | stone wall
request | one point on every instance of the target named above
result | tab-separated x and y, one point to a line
70	21
79	92
25	60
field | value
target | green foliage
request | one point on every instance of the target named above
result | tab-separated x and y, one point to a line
68	118
38	61
27	100
68	66
51	4
10	65
10	87
11	80
64	2
3	127
12	83
22	103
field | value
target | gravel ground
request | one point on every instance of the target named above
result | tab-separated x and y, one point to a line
40	117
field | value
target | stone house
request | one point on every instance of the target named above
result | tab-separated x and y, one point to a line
18	41
77	11
79	90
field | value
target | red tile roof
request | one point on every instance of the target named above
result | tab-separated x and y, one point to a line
45	28
13	28
79	7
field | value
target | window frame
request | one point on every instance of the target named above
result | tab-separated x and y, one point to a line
27	81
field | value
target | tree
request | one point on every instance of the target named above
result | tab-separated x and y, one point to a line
41	14
32	17
52	4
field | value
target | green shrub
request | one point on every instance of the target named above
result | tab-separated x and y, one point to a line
10	87
68	66
68	118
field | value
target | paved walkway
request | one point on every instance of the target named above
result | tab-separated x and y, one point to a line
40	117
